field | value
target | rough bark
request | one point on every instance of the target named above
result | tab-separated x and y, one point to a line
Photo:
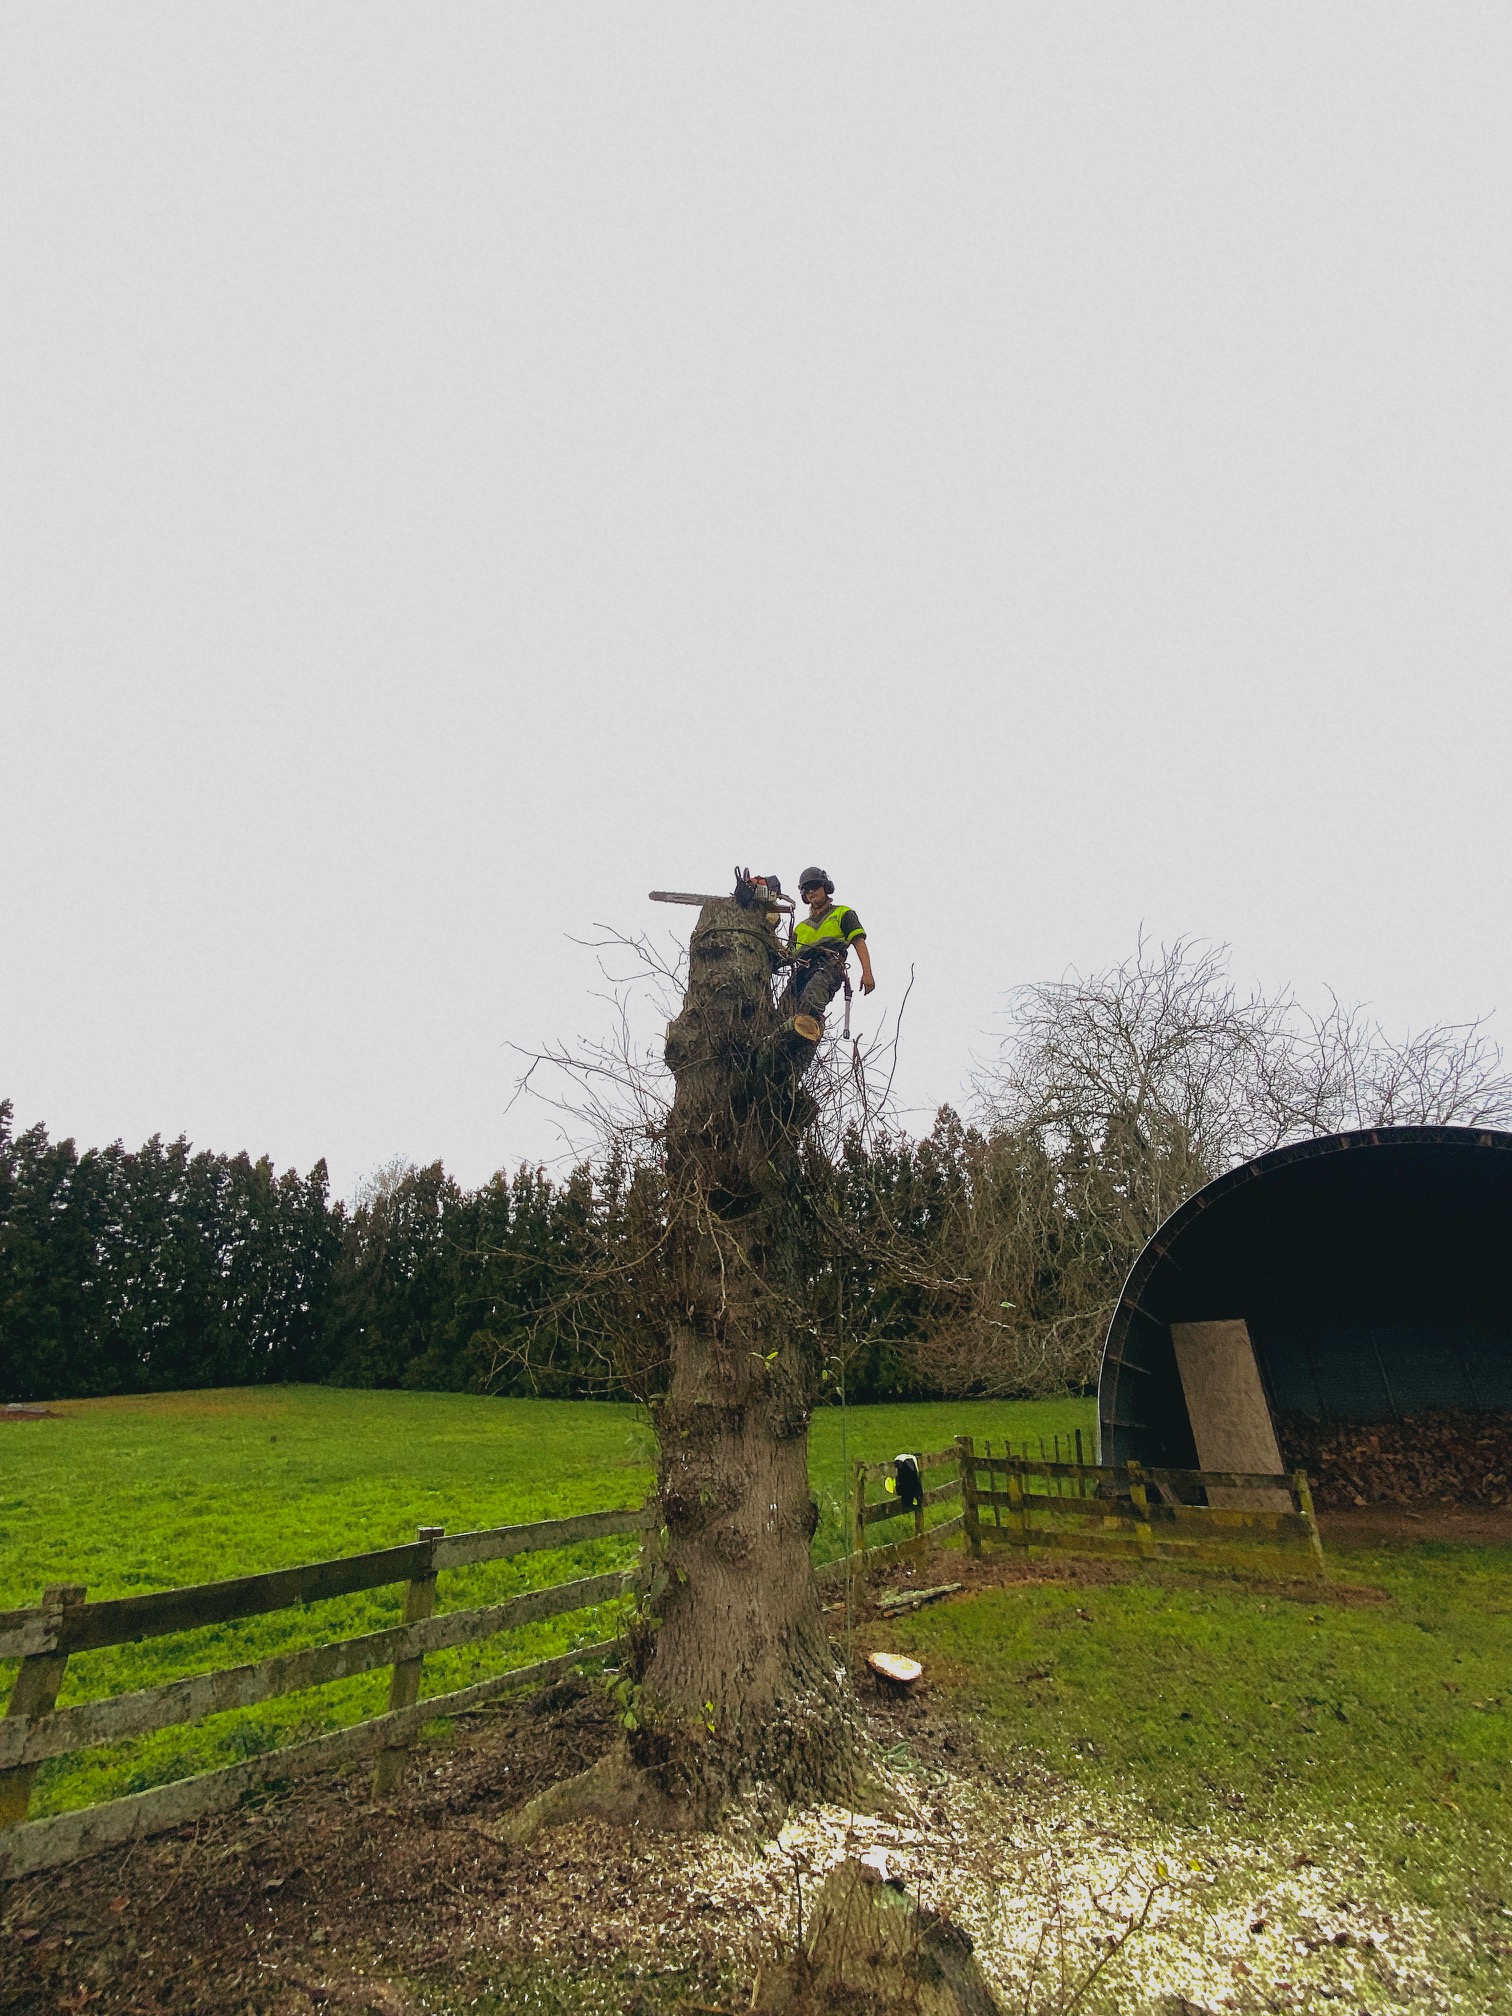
738	1694
740	1691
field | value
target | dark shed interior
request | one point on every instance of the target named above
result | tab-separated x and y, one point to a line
1374	1272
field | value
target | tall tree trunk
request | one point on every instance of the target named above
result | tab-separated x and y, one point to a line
739	1695
740	1690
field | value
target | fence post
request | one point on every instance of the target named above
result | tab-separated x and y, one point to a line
971	1524
35	1693
404	1682
1305	1506
1013	1480
1141	1498
858	1511
919	1508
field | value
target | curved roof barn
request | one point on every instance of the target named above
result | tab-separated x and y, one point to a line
1373	1272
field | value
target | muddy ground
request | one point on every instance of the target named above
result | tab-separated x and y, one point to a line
319	1900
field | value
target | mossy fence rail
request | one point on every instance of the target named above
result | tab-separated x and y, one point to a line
1253	1523
34	1729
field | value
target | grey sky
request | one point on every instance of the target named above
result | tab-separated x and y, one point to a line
462	467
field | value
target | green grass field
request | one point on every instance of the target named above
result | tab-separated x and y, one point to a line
132	1494
1369	1736
1223	1701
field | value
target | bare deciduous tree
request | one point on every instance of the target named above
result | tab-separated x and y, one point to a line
1119	1093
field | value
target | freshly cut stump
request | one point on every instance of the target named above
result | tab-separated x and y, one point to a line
873	1949
895	1667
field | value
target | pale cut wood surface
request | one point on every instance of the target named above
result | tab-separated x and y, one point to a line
895	1666
1228	1409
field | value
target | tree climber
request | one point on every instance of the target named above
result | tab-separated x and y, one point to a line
823	940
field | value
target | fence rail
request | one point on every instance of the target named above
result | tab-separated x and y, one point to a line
1218	1518
1050	1504
1245	1519
34	1730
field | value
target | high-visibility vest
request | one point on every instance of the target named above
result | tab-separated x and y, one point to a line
827	931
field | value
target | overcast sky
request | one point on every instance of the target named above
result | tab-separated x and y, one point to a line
464	466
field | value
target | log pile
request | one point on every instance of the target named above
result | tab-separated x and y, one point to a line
1445	1455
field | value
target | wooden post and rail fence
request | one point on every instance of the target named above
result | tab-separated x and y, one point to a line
1256	1524
33	1729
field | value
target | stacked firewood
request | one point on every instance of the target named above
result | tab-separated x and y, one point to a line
1445	1455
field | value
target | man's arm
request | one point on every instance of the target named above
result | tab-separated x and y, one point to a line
867	982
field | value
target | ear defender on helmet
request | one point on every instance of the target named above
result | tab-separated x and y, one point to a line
812	875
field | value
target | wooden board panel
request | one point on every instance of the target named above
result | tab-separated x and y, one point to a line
68	1837
1229	1413
123	1620
1043	1466
1006	1536
1217	1521
1236	1518
1221	1519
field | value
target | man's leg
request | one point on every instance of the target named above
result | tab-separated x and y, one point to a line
790	999
821	986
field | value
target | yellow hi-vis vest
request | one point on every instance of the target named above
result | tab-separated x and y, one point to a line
827	931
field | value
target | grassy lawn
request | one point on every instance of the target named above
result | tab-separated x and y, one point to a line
1368	1735
153	1492
1362	1736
